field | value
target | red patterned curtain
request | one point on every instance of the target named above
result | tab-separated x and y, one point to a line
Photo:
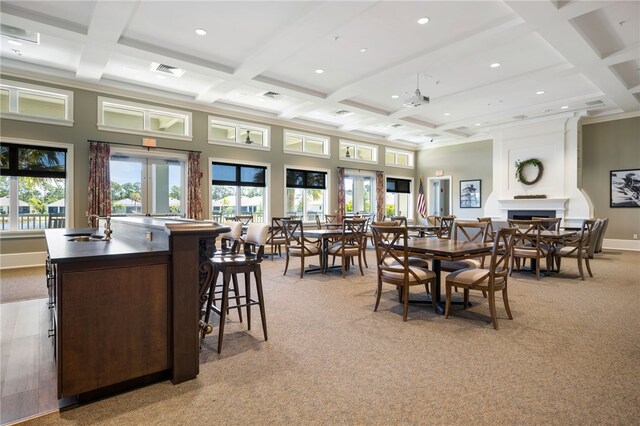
194	200
99	197
380	191
341	197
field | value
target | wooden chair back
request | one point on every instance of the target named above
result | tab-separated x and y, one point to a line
433	220
527	236
245	218
475	232
330	218
501	254
389	260
294	234
402	220
549	223
446	224
490	232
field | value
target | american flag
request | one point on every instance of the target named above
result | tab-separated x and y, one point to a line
422	206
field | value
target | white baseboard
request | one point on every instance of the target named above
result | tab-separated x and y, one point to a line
22	260
621	244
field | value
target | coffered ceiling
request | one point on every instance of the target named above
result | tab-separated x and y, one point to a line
265	57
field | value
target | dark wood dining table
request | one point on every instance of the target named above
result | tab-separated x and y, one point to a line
325	235
439	249
423	229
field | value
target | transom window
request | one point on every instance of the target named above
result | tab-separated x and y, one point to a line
238	190
30	102
398	200
33	186
115	115
398	158
306	193
302	143
239	134
358	151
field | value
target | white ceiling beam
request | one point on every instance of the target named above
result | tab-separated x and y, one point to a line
628	53
573	9
357	124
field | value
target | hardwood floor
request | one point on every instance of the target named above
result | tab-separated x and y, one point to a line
27	368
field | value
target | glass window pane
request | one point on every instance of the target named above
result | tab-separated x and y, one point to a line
41	106
314	202
295	202
4	100
252	175
4	157
365	154
124	118
41	202
4	201
295	178
41	159
252	202
221	131
403	159
316	180
314	146
293	143
223	202
389	158
224	172
166	178
126	186
256	136
166	123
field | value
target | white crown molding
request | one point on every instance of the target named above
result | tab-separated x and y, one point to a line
612	117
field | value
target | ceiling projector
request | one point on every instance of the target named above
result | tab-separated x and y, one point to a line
416	100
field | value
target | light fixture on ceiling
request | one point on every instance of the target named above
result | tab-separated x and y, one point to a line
15	43
540	92
564	107
495	65
447	113
201	32
248	141
347	154
423	21
363	50
319	71
417	99
394	96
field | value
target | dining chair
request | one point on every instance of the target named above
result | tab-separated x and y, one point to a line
578	247
394	265
232	264
350	244
298	245
330	218
276	238
490	233
487	280
402	220
549	223
475	232
446	224
245	218
529	245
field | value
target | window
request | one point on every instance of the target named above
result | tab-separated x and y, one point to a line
300	143
115	115
359	193
398	200
306	193
357	151
30	102
398	158
33	185
239	134
237	189
143	183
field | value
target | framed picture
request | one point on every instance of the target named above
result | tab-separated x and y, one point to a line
470	194
625	188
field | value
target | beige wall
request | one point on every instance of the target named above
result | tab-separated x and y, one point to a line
461	162
611	145
85	128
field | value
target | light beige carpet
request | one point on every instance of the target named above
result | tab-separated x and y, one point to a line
22	284
570	357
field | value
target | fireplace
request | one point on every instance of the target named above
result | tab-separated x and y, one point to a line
529	214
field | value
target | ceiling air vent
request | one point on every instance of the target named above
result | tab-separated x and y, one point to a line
167	69
271	95
343	113
520	117
396	126
594	103
20	34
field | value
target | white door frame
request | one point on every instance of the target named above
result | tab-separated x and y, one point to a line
430	194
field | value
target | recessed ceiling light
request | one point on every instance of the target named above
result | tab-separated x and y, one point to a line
394	96
364	49
495	65
564	107
447	113
160	77
540	92
201	32
15	43
478	124
423	21
319	71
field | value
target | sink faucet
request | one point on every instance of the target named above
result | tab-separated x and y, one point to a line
107	226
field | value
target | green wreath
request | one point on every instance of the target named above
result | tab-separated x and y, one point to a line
520	165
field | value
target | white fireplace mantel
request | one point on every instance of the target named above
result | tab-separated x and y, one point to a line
557	204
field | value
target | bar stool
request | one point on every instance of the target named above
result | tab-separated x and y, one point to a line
232	264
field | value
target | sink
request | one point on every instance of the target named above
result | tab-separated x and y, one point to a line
83	238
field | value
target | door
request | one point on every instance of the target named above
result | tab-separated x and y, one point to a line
439	199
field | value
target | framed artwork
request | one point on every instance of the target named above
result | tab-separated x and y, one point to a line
470	194
624	188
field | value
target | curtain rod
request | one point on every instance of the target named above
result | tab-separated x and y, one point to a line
148	147
360	170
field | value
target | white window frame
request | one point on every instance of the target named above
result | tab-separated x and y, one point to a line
147	184
395	153
326	150
327	198
267	179
239	142
16	87
412	195
356	145
147	110
68	194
